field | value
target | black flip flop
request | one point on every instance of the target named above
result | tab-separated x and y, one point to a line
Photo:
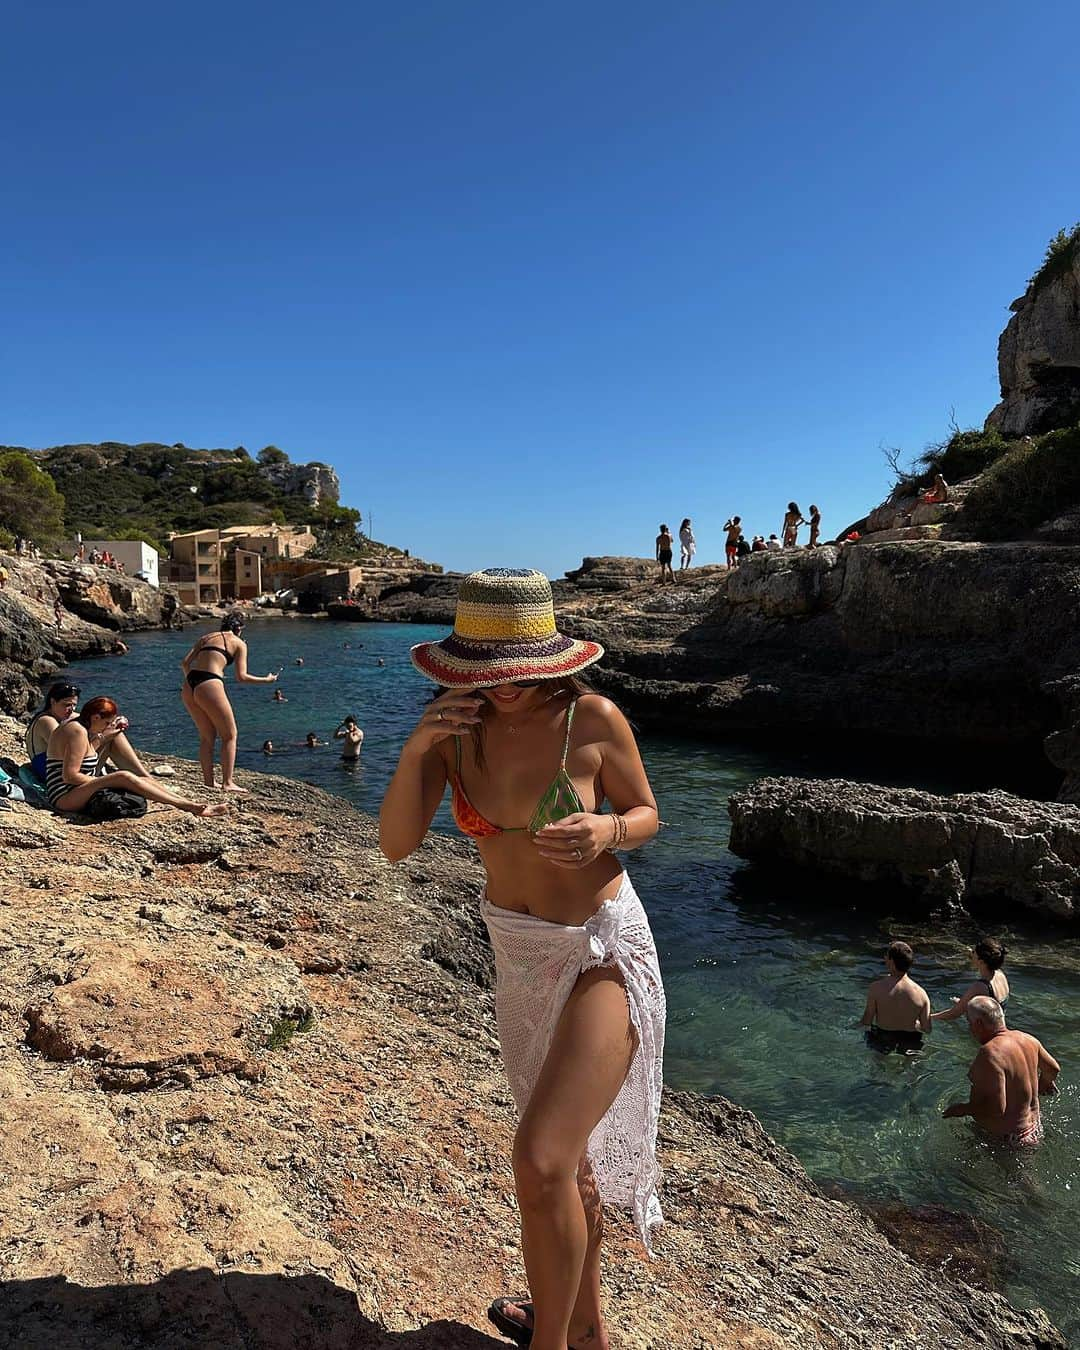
509	1326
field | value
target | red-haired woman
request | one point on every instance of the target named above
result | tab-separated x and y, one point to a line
71	764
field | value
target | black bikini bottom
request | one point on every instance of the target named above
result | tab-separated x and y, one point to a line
887	1042
197	677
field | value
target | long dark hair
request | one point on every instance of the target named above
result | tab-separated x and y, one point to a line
991	951
684	524
571	685
61	690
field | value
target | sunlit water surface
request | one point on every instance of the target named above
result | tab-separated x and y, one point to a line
765	975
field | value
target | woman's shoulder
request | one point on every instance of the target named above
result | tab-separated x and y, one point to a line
596	712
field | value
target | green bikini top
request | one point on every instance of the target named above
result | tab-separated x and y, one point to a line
561	799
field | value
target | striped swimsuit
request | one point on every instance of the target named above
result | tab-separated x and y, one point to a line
55	787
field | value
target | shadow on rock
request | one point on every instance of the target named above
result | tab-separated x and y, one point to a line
198	1310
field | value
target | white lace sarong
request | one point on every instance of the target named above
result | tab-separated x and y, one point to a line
537	964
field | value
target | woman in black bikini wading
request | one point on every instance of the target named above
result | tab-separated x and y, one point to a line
531	754
203	692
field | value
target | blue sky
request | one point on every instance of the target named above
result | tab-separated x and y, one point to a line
533	278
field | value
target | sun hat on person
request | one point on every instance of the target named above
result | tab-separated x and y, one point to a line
504	630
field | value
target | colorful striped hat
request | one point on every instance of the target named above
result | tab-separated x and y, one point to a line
504	630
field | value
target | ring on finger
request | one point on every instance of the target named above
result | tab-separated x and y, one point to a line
577	854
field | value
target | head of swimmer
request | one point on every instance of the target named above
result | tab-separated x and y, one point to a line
898	958
233	622
990	953
985	1017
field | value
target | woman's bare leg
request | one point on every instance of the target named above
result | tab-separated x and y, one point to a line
122	753
212	700
77	798
587	1064
207	734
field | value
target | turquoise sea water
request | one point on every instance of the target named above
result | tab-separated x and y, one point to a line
766	974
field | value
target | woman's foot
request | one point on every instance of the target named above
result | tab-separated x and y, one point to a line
212	809
231	787
587	1336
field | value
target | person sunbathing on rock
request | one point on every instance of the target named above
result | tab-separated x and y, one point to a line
937	492
988	958
72	774
1008	1076
60	704
897	1011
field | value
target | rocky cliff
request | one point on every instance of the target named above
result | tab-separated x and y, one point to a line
315	483
1039	354
250	1097
96	604
943	851
924	640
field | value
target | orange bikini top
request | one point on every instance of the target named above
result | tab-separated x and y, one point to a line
561	798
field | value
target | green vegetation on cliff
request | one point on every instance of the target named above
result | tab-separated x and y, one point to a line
1035	480
29	502
112	490
1061	252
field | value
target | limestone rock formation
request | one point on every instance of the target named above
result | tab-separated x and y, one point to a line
950	641
341	1180
316	483
95	602
1039	357
102	596
969	848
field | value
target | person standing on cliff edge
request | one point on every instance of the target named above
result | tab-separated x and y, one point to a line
578	997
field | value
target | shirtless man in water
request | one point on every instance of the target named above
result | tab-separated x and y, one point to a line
1009	1074
897	1011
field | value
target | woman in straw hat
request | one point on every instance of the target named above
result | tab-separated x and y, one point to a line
531	754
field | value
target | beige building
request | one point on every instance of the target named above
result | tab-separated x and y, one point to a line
241	575
271	541
194	566
211	566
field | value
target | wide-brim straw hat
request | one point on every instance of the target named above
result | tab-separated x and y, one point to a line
504	630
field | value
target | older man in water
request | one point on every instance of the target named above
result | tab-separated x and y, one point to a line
1008	1076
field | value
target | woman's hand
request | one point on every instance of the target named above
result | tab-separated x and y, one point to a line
272	677
452	714
577	840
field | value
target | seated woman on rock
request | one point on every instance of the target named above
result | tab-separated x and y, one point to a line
60	704
937	492
988	957
71	766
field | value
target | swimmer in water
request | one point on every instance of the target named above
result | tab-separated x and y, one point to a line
279	697
312	741
268	747
299	660
353	737
380	662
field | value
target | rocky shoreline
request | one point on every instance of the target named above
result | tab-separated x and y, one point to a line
969	849
250	1097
